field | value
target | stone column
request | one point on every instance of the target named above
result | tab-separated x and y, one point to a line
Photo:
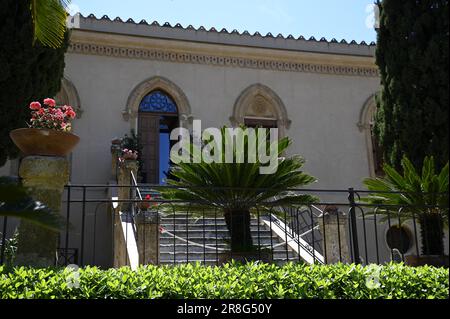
334	229
45	176
124	169
115	153
124	178
147	225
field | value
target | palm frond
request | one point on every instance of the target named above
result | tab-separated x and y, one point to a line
409	195
15	202
49	21
239	185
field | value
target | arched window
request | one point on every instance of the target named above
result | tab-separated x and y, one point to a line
158	102
259	106
158	115
260	113
143	92
366	124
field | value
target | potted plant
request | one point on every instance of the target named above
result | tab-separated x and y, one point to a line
148	211
129	154
131	142
422	197
237	190
146	203
48	132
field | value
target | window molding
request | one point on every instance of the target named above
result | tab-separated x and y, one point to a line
69	95
157	83
246	100
365	126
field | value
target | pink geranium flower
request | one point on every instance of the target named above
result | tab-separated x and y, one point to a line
35	105
71	114
50	102
51	116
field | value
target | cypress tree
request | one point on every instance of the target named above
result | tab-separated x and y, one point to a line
27	72
412	54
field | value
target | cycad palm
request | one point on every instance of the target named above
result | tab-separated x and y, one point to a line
423	196
238	188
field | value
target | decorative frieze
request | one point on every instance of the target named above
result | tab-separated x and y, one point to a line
228	61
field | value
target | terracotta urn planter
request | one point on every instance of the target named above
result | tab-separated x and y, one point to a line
33	141
132	156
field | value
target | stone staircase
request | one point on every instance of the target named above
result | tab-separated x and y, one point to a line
191	239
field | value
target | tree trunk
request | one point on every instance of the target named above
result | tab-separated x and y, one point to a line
238	224
432	233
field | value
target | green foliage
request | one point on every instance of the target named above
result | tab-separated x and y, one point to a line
232	281
419	194
16	202
412	55
49	21
27	73
131	142
424	197
11	245
206	183
237	188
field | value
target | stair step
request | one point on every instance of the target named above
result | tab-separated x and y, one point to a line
182	249
212	254
220	237
214	262
211	231
212	227
200	222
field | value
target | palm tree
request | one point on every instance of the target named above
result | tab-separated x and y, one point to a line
423	197
49	21
238	189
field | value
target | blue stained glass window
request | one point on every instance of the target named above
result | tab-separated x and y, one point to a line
158	101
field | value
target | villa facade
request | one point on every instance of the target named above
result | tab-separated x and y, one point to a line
317	92
150	78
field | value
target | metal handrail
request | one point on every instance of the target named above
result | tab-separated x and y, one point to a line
309	249
135	184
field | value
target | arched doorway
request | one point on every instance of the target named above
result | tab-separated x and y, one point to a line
157	117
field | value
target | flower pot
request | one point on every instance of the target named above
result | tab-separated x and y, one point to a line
131	157
33	141
430	260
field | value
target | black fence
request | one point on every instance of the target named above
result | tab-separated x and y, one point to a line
338	228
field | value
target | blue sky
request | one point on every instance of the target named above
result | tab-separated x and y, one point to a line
319	18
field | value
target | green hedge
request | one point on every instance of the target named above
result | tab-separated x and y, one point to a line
252	281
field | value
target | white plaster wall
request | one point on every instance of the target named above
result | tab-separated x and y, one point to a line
324	110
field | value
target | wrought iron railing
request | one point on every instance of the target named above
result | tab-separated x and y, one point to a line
295	235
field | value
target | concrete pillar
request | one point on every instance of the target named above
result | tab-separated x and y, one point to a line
115	153
334	229
147	225
45	176
124	178
124	168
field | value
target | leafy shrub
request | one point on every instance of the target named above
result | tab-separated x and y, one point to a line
251	281
10	248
